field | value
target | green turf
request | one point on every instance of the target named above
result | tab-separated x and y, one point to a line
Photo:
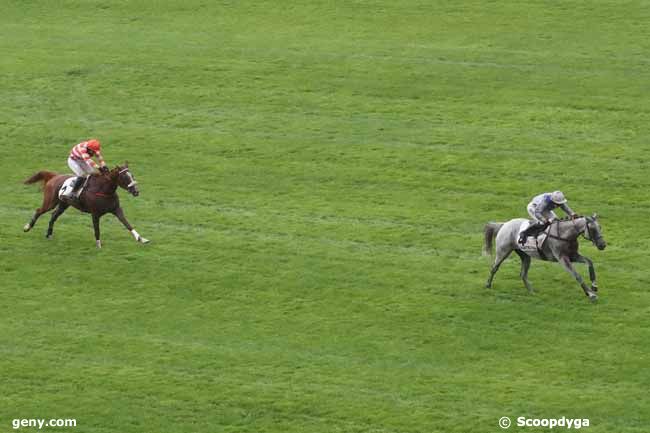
315	178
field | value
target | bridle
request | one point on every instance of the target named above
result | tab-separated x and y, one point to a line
133	181
586	232
590	236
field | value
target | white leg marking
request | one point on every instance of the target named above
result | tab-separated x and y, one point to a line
99	243
139	238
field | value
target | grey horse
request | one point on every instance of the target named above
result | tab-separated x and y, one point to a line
561	246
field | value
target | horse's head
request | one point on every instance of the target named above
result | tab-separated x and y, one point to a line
593	232
124	179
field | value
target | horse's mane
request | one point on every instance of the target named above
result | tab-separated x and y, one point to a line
109	174
566	218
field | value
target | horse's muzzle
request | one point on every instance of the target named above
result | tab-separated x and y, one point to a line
601	245
134	191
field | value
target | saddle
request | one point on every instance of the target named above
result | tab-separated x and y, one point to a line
67	189
535	238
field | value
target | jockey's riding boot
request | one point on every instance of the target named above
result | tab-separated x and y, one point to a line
530	231
76	187
522	237
539	227
70	194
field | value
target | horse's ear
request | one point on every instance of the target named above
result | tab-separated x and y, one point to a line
126	164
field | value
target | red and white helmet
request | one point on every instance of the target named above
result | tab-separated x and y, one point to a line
94	145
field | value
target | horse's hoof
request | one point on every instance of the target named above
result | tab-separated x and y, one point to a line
488	286
99	244
143	240
48	237
593	298
27	228
594	288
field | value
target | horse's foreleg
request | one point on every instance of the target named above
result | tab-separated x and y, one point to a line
592	271
501	256
57	213
119	213
525	265
96	218
565	261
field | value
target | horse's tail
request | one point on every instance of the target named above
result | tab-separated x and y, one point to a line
41	176
491	230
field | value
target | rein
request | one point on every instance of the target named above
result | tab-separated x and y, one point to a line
112	194
558	237
105	194
586	232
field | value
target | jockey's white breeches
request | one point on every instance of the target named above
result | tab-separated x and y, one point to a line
80	168
548	214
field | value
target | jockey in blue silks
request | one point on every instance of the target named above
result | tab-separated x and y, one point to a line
540	210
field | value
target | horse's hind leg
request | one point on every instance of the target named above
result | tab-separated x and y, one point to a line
48	204
57	213
501	256
525	265
37	214
27	227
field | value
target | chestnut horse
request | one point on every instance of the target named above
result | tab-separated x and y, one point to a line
98	197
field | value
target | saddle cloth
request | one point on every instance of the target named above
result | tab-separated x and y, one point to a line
533	244
67	186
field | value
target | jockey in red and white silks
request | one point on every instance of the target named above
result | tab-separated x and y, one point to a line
82	164
81	158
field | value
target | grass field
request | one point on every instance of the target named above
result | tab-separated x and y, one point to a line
315	179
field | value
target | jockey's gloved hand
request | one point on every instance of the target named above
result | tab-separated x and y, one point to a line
103	169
